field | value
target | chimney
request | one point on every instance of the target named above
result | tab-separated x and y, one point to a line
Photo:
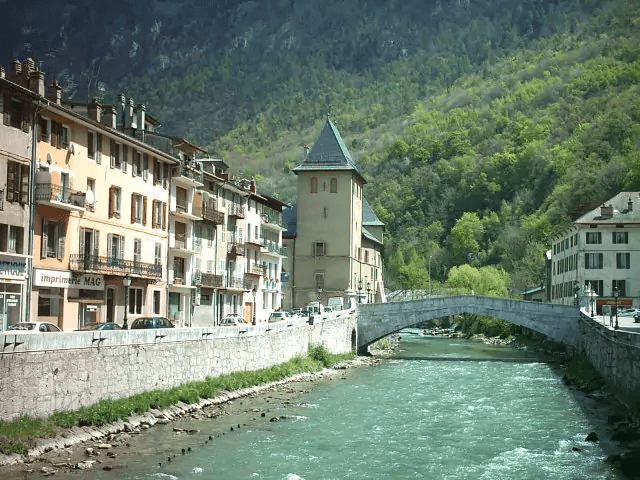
120	108
630	205
94	110
141	115
16	70
110	116
36	82
252	185
606	211
2	72
129	120
54	92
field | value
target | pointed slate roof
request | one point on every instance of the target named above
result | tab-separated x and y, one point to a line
329	153
368	215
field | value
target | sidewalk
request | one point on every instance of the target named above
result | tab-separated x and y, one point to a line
626	324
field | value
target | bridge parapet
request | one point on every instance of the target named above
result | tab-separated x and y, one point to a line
377	320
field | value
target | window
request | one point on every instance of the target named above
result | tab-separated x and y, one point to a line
593	260
114	153
159	214
621	286
49	302
619	237
136	164
16	237
115	202
158	254
91	187
623	260
319	249
137	250
59	135
314	185
156	302
17	182
596	286
14	114
52	240
594	238
138	209
210	236
157	172
334	185
91	145
319	280
125	158
145	167
98	148
4	229
115	249
135	300
45	129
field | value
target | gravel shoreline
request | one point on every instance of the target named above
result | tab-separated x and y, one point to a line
115	445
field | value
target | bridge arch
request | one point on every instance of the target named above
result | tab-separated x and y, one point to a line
377	320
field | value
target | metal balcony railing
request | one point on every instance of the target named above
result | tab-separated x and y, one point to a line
212	214
275	218
48	192
255	269
114	266
187	172
236	210
236	249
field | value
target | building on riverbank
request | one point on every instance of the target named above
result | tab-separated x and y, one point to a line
599	253
334	236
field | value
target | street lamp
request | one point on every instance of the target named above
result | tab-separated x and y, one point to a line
368	292
126	281
360	291
430	257
254	291
615	295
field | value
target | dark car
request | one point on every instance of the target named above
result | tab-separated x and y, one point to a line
151	322
100	326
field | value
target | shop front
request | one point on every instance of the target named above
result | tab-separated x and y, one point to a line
13	281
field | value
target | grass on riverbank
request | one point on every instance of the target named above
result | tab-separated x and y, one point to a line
20	435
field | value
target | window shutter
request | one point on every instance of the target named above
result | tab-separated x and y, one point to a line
61	239
164	216
112	153
144	211
125	158
133	208
154	210
24	184
82	245
11	180
145	167
110	247
121	252
96	245
99	148
44	238
165	176
111	201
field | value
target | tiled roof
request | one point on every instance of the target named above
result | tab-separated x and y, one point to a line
623	208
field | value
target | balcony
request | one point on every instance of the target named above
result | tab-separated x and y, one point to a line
258	241
60	197
273	218
187	175
255	270
209	280
114	266
211	214
236	283
236	210
181	242
274	248
182	210
236	249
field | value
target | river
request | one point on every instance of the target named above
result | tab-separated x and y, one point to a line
441	409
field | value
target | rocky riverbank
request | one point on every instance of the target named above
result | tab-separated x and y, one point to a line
184	427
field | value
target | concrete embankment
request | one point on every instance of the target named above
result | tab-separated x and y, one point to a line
45	373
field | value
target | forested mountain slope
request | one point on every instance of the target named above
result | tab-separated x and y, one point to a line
480	124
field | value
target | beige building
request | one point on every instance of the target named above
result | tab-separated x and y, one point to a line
334	238
600	252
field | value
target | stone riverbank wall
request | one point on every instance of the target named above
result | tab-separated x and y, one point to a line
44	373
616	356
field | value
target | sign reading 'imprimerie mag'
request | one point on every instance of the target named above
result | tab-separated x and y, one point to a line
66	279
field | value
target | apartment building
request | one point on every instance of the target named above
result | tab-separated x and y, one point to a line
18	105
599	253
334	236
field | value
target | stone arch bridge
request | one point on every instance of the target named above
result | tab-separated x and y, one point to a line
377	320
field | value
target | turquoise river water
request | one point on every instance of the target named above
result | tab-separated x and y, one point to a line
442	409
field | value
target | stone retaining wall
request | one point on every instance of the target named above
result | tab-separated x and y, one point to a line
44	373
616	356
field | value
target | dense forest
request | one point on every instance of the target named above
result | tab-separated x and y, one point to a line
481	125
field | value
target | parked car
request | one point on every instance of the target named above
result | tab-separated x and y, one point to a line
628	312
151	322
100	326
232	321
277	316
33	327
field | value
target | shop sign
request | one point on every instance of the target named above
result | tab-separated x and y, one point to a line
92	308
13	300
15	267
66	279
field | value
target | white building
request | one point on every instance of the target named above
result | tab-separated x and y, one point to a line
600	252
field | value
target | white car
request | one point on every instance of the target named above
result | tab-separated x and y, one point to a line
33	327
232	321
277	316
